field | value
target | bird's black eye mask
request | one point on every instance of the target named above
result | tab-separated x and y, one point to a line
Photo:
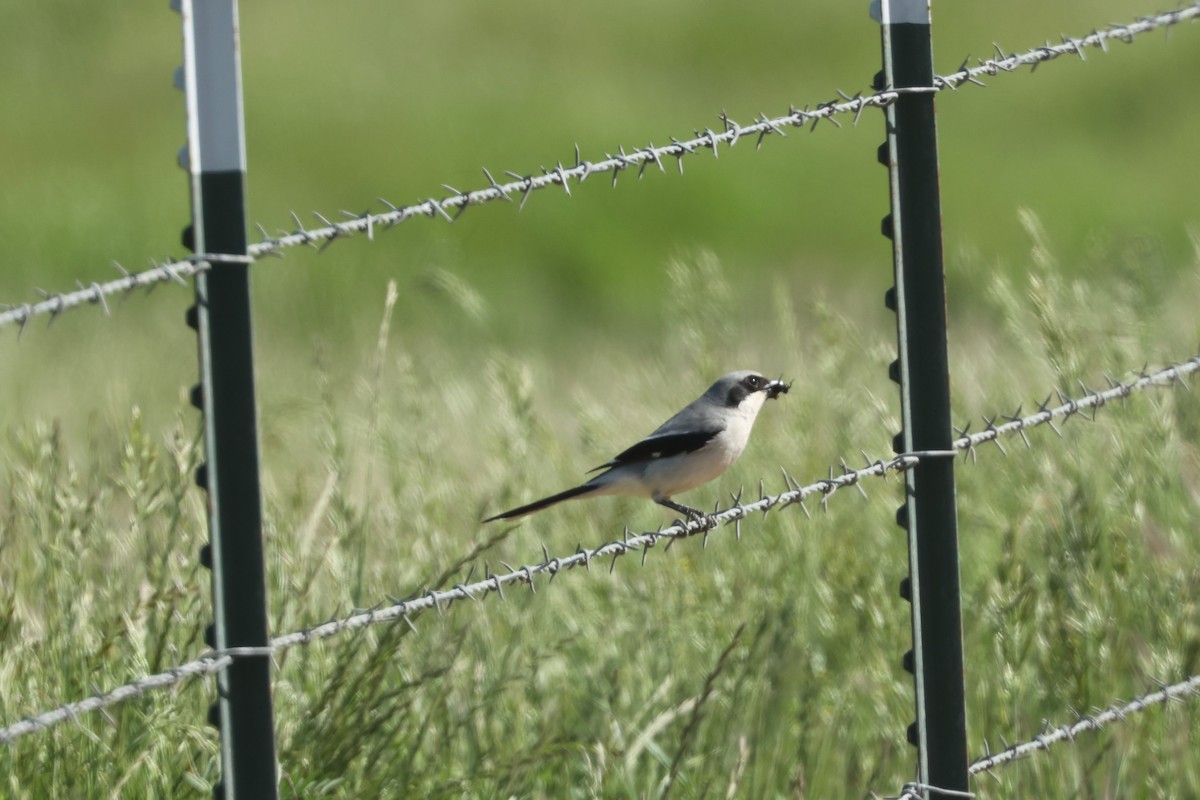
737	394
755	383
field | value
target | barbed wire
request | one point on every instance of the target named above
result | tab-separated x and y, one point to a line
794	494
1015	423
1092	401
708	139
407	610
1088	722
1052	735
97	293
523	186
206	664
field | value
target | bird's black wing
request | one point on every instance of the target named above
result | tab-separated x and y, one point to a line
663	445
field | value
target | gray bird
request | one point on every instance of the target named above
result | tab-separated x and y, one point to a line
688	450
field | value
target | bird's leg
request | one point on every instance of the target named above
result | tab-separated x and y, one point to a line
693	514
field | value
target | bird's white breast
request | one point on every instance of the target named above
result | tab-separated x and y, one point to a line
678	474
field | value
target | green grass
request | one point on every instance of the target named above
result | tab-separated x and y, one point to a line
524	347
1079	569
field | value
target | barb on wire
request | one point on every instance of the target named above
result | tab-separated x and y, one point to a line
1089	722
1091	401
1068	46
206	664
321	236
97	293
406	610
1054	735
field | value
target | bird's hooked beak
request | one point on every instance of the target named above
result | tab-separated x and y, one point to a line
776	388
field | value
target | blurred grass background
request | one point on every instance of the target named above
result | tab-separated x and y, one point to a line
522	342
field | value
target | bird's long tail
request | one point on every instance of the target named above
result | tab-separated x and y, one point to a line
545	502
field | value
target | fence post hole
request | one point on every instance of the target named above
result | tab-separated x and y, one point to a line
216	161
923	372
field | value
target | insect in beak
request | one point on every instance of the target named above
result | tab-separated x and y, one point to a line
776	388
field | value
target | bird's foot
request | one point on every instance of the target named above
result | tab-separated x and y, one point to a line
693	516
704	522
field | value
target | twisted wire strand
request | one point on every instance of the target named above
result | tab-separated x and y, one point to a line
206	664
522	186
97	293
1086	406
1117	712
1052	735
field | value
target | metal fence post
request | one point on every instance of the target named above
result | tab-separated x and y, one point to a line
216	161
923	372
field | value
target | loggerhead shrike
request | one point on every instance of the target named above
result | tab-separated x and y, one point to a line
690	449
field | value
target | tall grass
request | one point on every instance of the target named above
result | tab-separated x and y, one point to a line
764	667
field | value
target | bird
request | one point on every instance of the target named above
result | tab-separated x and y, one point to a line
688	450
